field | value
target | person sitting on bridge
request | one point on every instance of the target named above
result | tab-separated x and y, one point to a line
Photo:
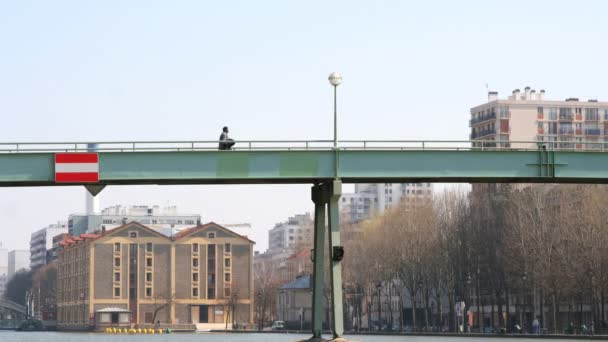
225	142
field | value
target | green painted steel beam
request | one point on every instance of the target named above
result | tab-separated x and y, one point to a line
209	167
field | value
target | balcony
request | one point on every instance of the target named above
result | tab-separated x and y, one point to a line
592	131
482	133
566	131
566	117
482	118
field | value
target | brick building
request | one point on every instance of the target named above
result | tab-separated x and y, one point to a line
202	275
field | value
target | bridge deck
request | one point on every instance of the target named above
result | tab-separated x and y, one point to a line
32	164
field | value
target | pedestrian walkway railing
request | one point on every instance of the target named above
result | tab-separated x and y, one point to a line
302	145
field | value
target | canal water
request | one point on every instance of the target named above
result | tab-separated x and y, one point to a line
11	336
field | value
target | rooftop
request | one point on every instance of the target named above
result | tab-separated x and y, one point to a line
301	282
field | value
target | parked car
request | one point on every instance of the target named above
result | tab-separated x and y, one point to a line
278	325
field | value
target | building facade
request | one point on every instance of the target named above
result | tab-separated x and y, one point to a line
41	241
294	303
3	260
374	198
285	237
166	220
133	274
18	260
528	117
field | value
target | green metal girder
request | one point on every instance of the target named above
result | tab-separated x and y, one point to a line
206	167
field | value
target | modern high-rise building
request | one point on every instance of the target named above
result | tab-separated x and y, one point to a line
286	236
3	260
18	260
529	117
3	269
375	198
165	220
42	240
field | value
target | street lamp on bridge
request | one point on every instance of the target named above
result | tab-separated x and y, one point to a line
335	79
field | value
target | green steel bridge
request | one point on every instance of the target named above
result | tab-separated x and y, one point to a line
318	163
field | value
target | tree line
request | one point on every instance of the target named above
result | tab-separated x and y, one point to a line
510	254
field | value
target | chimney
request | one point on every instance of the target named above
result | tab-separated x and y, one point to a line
526	93
492	96
572	99
541	95
516	94
592	100
533	95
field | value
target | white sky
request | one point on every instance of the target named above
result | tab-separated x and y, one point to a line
147	70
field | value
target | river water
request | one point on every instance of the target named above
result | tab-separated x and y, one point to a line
12	336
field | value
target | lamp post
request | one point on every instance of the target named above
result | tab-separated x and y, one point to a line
468	299
335	79
260	310
379	287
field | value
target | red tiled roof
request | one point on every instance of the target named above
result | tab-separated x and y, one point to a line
305	253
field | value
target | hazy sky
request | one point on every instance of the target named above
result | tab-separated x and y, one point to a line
180	70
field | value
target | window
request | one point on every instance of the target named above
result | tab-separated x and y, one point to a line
195	262
540	110
116	262
148	262
211	235
116	276
195	292
227	248
210	293
117	247
195	248
226	292
194	276
117	292
149	247
227	277
226	262
553	113
148	292
132	234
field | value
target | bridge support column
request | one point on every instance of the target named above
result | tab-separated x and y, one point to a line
319	197
336	252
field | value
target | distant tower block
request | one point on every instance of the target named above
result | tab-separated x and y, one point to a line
92	201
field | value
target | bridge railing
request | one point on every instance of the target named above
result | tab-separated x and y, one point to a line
294	145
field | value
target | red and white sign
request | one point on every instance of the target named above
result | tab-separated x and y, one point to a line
76	167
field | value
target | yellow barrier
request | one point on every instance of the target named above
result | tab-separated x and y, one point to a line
133	331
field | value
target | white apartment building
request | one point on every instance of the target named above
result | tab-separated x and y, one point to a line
528	116
375	198
3	260
286	236
166	220
18	260
42	240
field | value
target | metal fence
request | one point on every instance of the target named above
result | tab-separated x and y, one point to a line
303	145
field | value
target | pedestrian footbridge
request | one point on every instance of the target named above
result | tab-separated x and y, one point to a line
253	162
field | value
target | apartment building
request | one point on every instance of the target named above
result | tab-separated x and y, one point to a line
42	240
285	237
528	117
166	220
375	198
202	275
18	260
